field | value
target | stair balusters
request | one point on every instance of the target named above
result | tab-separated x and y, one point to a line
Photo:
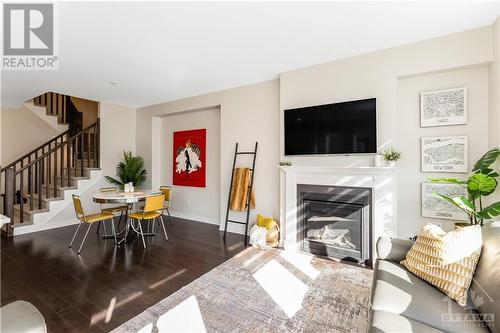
42	172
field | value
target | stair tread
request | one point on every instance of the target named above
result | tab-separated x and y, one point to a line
30	212
44	198
62	188
17	224
72	177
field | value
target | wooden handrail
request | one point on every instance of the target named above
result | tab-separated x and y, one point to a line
42	177
68	141
48	143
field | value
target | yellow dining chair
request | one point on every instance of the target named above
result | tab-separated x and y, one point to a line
113	210
89	219
167	192
152	209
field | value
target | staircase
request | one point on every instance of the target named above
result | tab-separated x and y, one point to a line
39	184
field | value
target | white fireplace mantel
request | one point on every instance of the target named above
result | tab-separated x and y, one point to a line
381	180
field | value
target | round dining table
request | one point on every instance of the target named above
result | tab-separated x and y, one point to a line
121	197
124	198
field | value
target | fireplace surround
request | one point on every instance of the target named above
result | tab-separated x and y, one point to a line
335	221
380	180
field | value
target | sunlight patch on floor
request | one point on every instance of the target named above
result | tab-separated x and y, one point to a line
111	307
168	278
301	262
103	315
251	260
184	317
283	287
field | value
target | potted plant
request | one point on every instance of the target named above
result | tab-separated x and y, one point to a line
480	184
131	169
391	155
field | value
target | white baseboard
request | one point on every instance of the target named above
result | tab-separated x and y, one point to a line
234	228
231	227
196	218
21	230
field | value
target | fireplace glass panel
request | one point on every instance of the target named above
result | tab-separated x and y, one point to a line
333	224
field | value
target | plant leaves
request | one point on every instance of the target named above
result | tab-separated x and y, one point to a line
461	202
131	169
113	181
490	211
481	184
449	180
486	160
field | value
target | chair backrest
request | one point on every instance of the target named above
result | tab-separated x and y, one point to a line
154	202
167	192
108	189
77	203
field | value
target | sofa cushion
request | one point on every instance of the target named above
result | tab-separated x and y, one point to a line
446	260
393	249
398	291
386	322
21	316
485	289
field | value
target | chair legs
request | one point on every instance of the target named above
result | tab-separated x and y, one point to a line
169	217
73	239
142	234
163	225
113	230
98	227
84	238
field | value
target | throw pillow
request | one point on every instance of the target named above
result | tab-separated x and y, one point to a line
263	221
446	260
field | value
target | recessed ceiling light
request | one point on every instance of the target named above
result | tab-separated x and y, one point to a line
114	83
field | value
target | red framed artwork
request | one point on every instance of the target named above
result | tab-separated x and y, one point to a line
190	158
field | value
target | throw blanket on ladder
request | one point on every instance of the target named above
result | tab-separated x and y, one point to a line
239	193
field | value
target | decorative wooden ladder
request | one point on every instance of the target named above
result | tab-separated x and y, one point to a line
249	191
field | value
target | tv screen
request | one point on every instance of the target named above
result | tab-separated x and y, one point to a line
339	128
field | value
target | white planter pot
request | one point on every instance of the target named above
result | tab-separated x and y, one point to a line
391	163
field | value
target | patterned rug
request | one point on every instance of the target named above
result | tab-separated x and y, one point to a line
265	291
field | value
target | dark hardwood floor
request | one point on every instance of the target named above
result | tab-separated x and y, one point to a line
106	285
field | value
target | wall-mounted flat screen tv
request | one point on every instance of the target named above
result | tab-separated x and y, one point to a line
338	128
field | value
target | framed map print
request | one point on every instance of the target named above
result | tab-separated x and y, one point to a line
435	207
189	165
444	154
443	107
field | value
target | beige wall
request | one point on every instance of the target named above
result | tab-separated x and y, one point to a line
247	114
409	132
117	134
394	76
375	75
494	75
88	108
425	65
195	203
21	132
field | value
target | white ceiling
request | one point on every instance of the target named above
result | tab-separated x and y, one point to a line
159	51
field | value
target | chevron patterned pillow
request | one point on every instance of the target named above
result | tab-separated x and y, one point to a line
446	260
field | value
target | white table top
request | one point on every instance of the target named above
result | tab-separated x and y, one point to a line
122	197
4	220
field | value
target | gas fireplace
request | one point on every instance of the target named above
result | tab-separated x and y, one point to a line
335	221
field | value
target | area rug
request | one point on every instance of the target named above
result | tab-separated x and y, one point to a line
265	291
